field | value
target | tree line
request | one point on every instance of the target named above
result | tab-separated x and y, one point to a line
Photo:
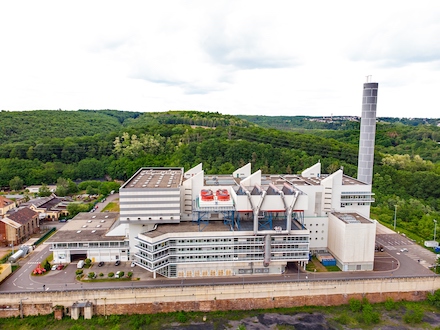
403	176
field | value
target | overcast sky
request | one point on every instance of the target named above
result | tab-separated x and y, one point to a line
235	57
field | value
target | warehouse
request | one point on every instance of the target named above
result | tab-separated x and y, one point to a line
90	235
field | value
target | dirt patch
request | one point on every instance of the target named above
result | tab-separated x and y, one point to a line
300	321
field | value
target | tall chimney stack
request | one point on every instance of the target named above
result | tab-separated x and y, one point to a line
368	132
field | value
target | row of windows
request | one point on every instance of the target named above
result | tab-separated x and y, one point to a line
90	245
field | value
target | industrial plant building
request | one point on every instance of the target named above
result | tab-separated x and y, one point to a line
177	223
89	235
186	224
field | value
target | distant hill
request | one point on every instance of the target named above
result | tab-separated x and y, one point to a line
19	126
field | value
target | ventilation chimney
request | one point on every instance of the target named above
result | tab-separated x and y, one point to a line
368	132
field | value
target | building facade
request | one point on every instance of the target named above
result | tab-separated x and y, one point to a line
18	225
186	224
89	235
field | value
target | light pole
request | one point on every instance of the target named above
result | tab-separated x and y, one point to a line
21	306
395	215
435	228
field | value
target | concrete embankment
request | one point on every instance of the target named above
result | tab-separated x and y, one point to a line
220	297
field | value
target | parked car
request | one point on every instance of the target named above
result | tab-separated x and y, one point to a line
133	264
117	263
101	263
117	274
60	267
54	267
404	250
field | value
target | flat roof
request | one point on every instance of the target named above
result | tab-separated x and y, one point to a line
155	177
212	226
87	227
351	217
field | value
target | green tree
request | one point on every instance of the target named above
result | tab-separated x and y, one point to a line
44	191
16	183
75	208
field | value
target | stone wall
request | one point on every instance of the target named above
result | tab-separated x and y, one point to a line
221	297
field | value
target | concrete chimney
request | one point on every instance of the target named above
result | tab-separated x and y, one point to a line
368	133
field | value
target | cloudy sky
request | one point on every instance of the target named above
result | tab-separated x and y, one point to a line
235	57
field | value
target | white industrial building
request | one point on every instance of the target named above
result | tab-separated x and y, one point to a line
186	224
90	235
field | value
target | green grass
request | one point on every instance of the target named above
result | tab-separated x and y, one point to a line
111	207
333	268
5	257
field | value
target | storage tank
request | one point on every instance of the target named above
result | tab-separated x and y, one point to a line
17	255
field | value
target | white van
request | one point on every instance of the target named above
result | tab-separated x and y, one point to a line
80	264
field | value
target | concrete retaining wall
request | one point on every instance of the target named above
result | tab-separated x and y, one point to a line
222	297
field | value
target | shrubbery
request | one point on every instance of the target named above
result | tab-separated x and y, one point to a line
413	315
434	299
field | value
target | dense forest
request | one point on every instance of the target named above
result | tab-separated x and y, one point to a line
43	146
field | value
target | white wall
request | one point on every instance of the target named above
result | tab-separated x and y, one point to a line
351	243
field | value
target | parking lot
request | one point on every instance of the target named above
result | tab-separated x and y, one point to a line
125	267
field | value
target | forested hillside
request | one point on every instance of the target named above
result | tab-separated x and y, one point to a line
43	146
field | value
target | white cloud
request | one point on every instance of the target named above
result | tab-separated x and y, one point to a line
236	57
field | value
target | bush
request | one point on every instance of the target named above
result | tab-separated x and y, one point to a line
111	274
101	274
121	274
343	319
91	275
434	299
413	315
79	272
139	321
368	316
390	304
181	317
46	265
130	274
355	305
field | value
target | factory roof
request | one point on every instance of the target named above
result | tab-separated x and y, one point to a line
351	218
155	177
87	227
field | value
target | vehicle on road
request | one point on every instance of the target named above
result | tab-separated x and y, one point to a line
117	263
101	263
404	250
